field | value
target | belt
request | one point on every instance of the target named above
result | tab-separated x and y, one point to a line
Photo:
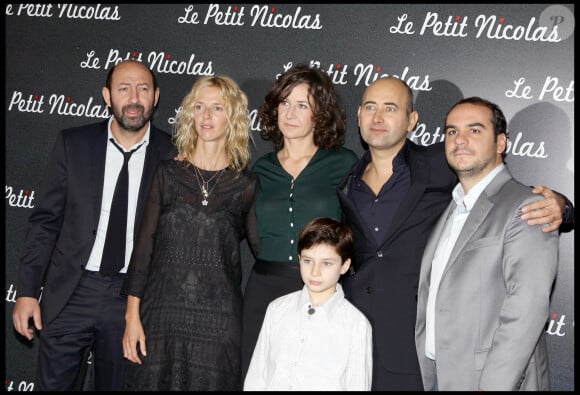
286	269
97	274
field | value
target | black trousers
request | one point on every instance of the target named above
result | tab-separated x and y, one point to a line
267	281
93	320
385	380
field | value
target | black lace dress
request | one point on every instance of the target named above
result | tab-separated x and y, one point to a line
186	268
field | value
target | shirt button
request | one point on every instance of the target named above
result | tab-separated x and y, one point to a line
376	200
376	229
290	194
290	209
301	340
290	258
291	241
291	224
295	364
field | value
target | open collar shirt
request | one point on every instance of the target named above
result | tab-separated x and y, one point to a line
463	203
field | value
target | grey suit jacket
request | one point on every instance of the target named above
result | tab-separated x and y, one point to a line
493	298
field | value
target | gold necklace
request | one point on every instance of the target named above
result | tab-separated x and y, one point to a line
204	185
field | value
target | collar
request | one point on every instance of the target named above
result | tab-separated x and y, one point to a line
144	140
398	161
468	200
330	306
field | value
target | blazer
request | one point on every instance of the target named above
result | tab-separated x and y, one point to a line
63	224
493	299
384	278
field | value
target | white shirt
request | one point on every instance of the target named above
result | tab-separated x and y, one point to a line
463	205
330	350
113	164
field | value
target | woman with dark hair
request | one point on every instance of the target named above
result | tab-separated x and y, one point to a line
303	117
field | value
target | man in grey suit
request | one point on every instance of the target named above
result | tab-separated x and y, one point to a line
486	277
81	307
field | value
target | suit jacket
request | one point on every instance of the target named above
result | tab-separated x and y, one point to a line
493	298
383	284
62	226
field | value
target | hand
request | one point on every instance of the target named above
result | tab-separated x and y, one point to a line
134	334
24	309
547	212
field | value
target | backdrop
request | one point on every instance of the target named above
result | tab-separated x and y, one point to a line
519	56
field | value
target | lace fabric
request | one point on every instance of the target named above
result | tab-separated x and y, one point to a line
186	268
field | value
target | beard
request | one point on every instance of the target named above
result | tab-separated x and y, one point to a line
132	124
474	167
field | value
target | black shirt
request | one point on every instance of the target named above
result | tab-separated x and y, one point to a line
378	211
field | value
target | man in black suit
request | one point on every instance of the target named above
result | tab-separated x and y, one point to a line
81	309
391	199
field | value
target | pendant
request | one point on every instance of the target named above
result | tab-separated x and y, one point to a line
204	202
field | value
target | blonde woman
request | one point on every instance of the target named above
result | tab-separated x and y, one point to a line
184	309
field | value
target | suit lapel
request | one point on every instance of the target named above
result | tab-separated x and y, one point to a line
151	160
348	207
475	218
433	242
98	156
419	177
479	212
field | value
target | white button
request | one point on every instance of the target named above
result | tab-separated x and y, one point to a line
290	209
290	194
301	340
376	200
376	229
290	257
291	224
291	241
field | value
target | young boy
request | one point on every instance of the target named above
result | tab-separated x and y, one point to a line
314	339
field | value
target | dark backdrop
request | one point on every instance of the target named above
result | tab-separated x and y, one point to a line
519	56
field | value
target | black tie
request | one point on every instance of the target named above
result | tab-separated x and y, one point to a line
116	240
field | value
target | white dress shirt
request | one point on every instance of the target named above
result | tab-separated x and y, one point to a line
463	205
329	350
113	164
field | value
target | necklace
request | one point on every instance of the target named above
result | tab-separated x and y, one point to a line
204	185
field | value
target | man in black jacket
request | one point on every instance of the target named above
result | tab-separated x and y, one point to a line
81	306
391	199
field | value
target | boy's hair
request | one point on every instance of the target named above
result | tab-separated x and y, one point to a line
327	231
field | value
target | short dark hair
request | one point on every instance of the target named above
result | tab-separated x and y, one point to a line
325	230
329	115
109	81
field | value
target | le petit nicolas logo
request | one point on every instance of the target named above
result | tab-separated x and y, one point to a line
23	198
18	386
556	325
256	15
66	11
57	104
556	23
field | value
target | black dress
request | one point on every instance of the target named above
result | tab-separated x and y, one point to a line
186	268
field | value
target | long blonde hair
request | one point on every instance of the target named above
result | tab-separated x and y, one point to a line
238	120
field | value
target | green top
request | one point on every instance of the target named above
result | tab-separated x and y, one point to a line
285	204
